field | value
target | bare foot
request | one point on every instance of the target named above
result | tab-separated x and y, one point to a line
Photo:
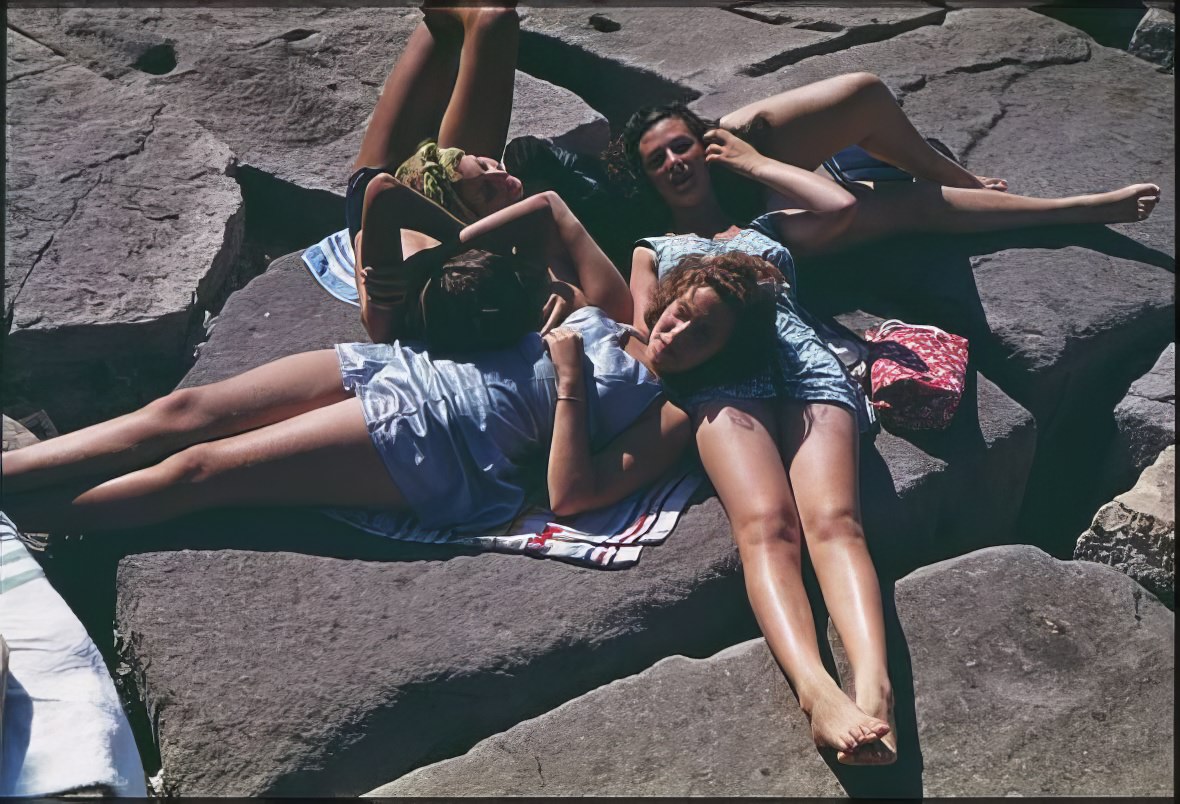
836	722
876	701
999	185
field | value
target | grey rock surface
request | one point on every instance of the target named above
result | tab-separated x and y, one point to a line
1155	38
1146	420
120	223
289	92
281	312
619	59
1136	532
412	660
1013	654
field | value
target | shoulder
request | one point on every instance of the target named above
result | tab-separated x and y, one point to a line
767	224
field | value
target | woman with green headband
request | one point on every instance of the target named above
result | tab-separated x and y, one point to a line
439	126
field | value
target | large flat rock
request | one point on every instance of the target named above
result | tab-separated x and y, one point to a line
289	90
278	672
619	59
1030	677
120	225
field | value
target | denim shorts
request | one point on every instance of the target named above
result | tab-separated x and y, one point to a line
354	198
803	369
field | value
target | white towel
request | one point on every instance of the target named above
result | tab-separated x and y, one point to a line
64	727
333	265
605	538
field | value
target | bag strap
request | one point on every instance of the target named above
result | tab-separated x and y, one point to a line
896	323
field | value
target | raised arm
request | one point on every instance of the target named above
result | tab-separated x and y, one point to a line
543	227
807	191
578	480
383	277
644	278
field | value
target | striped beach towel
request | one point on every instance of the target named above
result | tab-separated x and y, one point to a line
333	265
606	538
63	725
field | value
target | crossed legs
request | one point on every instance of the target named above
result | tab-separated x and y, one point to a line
809	124
742	447
453	80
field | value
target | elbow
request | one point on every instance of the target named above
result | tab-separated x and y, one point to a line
565	506
562	509
844	207
568	503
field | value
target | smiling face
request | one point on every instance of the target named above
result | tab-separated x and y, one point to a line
690	331
485	186
673	160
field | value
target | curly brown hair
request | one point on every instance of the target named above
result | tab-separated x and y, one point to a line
745	284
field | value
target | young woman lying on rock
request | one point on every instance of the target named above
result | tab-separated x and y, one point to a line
439	127
451	442
781	449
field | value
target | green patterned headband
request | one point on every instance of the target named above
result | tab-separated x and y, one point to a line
434	172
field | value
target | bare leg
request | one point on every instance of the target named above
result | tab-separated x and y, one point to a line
822	442
278	390
739	449
896	209
480	108
413	99
812	122
322	457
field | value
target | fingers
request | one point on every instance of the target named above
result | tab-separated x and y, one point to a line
716	135
553	312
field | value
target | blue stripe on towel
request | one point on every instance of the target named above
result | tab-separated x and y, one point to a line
333	265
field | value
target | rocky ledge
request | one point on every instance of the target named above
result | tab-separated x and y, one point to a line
996	705
314	660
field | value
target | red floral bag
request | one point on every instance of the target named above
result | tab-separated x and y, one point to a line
918	374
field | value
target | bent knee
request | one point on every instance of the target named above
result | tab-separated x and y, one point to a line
762	528
832	526
193	465
181	410
863	80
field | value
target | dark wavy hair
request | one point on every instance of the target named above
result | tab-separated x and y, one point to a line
739	196
479	300
745	284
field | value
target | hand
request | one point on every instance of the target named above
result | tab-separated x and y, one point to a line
727	149
383	286
564	298
565	350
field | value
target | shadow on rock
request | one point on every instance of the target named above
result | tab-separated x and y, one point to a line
902	779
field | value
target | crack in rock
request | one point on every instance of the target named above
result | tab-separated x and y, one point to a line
866	35
32	38
136	149
41	253
293	35
37	71
1012	61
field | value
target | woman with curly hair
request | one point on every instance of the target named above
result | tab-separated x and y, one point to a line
781	449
